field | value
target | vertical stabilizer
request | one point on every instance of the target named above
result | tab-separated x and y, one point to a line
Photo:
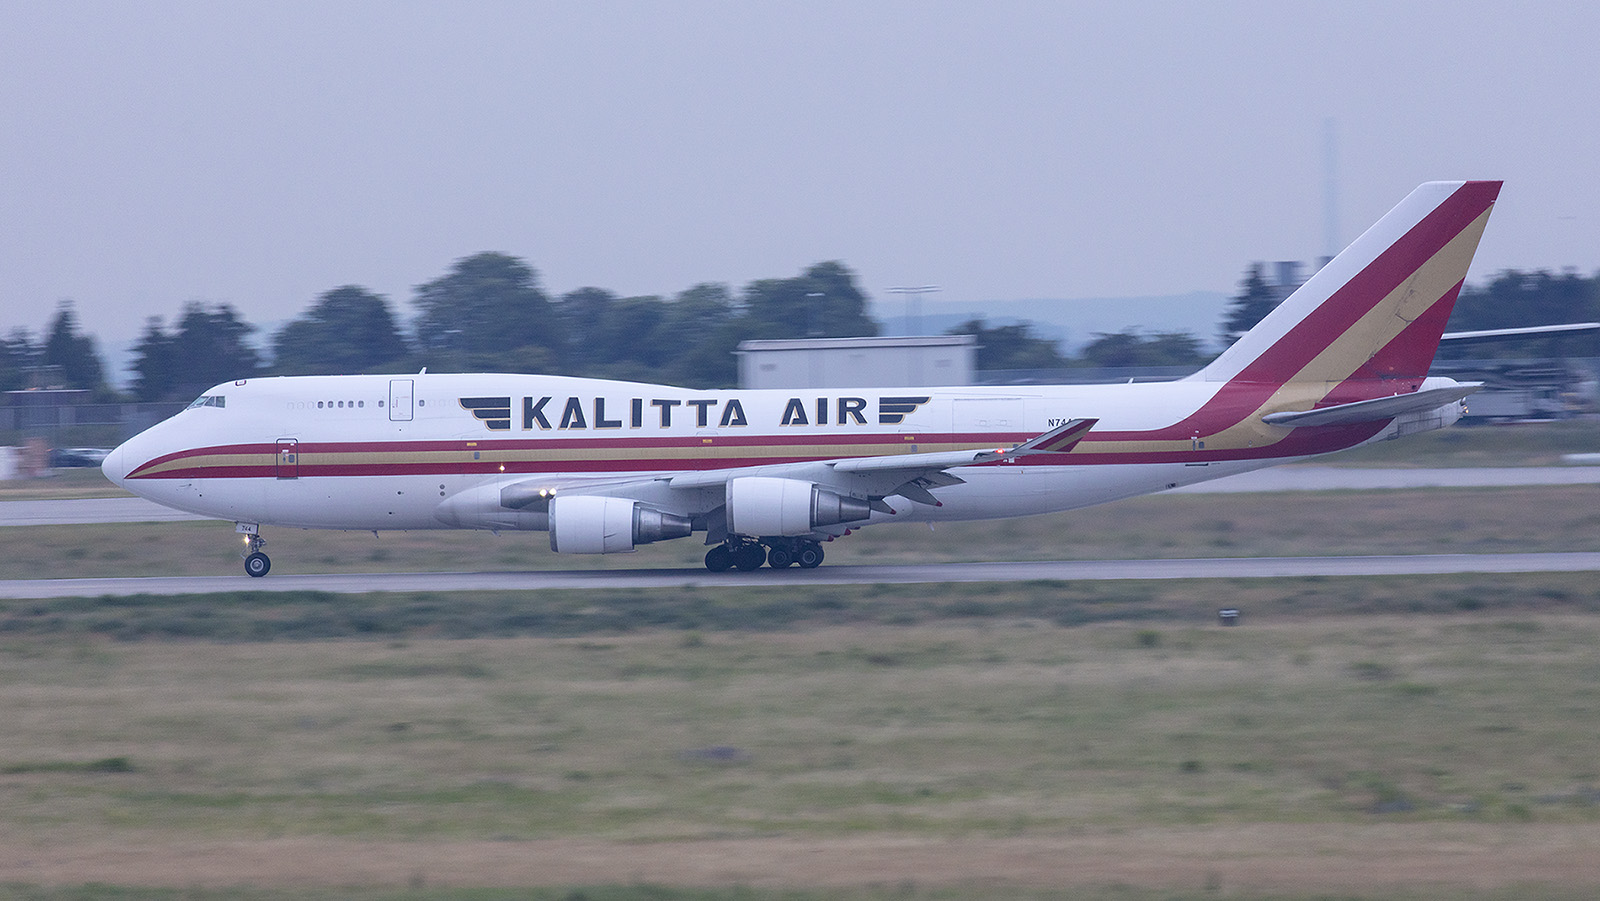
1370	320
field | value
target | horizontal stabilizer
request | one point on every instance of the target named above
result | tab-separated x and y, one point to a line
1373	410
1529	331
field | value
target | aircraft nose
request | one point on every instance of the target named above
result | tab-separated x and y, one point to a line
113	466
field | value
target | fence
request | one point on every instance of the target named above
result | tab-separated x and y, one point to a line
52	421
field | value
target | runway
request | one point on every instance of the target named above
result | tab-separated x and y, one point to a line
1064	570
1293	478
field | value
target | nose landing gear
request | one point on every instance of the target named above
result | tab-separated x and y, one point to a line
256	564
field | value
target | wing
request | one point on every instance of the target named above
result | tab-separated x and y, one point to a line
900	469
907	475
807	498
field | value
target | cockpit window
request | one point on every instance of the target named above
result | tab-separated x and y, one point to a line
209	400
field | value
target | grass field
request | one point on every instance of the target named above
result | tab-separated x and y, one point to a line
987	735
1516	444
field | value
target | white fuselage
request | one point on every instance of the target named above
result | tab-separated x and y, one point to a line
434	451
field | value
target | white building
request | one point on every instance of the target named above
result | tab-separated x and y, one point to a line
908	362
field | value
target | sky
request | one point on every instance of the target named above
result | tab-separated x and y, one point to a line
260	154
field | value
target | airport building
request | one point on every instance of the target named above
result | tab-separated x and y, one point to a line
909	362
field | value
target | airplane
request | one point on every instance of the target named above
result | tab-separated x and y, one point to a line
769	475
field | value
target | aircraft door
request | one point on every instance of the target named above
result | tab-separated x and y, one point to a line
400	400
287	463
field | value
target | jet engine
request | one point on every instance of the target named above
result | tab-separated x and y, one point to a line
584	524
764	506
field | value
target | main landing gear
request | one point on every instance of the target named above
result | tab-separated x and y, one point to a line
747	555
256	564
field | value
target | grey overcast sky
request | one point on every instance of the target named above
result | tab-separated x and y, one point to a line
258	154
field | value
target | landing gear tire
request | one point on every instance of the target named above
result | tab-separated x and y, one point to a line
749	558
809	556
778	553
257	565
719	559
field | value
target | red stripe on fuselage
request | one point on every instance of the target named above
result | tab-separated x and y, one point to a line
1299	443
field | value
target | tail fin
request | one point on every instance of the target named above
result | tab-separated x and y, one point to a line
1368	323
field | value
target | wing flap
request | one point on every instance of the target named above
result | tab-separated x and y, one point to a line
1058	440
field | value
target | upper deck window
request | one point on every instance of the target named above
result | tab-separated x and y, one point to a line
209	400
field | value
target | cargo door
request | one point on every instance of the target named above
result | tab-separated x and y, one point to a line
400	391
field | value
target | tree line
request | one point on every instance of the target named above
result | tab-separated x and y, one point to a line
489	312
1511	299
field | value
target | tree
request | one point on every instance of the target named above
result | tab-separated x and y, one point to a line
629	337
1251	305
821	302
1514	299
612	337
155	367
1130	348
488	311
347	330
71	353
700	333
585	317
1010	346
209	346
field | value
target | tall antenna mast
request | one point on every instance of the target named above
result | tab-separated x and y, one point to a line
1330	188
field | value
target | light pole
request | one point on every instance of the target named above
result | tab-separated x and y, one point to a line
913	295
812	331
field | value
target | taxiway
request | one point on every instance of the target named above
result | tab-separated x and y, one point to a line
1283	478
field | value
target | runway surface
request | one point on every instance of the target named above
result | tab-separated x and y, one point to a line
1067	570
1285	478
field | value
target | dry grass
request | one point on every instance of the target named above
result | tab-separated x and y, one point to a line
1007	728
1512	444
1015	752
62	484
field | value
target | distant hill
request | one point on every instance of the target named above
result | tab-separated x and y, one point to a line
1073	323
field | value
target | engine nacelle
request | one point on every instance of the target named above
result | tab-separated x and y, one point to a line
761	506
585	524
